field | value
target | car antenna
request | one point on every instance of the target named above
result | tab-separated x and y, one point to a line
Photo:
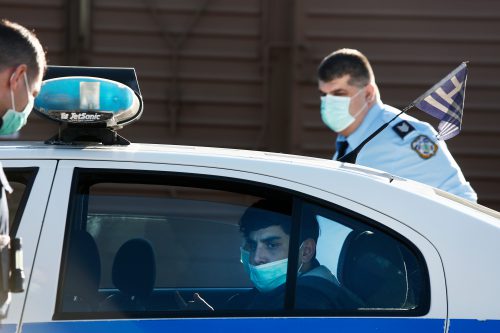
351	156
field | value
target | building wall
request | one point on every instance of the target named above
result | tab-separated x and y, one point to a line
411	46
241	74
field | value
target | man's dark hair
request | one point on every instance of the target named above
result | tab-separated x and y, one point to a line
267	212
19	46
343	62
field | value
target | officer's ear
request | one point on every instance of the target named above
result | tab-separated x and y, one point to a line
370	92
17	76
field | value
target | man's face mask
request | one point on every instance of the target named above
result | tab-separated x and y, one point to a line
267	277
13	121
335	111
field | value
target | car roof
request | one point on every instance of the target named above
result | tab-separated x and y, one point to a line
222	158
157	153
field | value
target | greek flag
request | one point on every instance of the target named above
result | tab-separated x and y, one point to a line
445	101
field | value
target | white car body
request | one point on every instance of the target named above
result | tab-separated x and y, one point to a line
459	241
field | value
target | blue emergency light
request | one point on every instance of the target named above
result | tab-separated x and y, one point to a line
90	103
87	100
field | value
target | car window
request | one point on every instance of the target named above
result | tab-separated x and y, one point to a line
21	180
149	244
146	244
359	267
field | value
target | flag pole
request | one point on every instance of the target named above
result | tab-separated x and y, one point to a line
433	108
351	157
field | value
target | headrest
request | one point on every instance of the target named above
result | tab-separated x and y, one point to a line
134	268
374	269
84	265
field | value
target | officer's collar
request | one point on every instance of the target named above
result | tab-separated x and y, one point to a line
361	133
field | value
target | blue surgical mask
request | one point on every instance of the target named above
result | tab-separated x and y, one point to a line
267	277
335	111
13	121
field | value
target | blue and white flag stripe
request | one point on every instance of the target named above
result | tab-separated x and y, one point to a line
445	101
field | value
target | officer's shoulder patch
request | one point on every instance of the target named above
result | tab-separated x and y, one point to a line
403	128
425	147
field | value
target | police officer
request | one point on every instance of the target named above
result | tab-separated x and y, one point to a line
22	65
351	106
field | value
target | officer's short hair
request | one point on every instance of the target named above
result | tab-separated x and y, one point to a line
343	62
19	46
267	212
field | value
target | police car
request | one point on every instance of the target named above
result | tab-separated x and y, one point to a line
126	237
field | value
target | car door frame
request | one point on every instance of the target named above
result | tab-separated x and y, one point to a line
40	304
29	228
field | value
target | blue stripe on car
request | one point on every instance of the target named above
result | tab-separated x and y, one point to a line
242	325
252	325
475	326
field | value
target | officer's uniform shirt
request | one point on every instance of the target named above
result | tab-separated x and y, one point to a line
4	244
407	148
4	210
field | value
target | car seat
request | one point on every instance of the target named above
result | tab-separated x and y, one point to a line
372	266
134	275
83	274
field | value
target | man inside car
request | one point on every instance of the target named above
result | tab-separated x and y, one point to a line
266	227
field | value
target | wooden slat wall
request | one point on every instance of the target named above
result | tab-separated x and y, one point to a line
411	46
236	87
215	99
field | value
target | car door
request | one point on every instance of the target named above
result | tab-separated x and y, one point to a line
151	247
395	271
31	182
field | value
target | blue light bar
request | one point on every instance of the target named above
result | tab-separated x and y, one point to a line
87	100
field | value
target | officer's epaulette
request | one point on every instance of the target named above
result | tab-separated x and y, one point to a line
403	128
